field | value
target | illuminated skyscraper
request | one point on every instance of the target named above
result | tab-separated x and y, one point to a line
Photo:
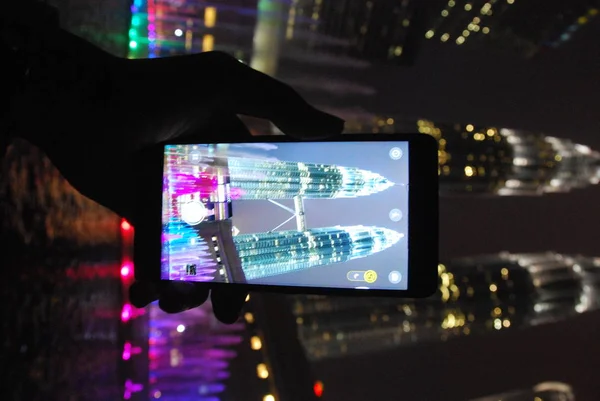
196	254
269	254
484	160
487	160
476	295
208	173
528	26
266	179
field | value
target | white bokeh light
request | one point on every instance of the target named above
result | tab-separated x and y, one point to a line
178	32
193	213
180	328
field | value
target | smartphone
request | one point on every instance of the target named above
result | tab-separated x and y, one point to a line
355	214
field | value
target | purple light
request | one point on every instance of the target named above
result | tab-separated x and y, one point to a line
130	388
151	27
134	9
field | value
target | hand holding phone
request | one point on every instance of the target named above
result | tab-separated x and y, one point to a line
92	114
334	216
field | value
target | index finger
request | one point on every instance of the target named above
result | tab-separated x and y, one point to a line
238	88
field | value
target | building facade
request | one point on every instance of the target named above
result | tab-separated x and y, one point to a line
487	160
526	26
475	296
279	252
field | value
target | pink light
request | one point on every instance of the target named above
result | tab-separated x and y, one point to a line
130	388
151	27
125	226
126	313
126	270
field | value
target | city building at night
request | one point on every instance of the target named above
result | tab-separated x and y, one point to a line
279	252
209	175
528	26
486	160
200	242
376	30
266	179
476	295
221	256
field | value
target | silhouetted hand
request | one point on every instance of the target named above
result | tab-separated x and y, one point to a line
92	112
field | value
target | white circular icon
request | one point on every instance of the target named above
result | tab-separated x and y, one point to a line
193	213
395	277
395	153
395	215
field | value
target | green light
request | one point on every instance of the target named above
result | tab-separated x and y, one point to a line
133	44
133	33
135	21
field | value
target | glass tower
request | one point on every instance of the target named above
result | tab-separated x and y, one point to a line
266	179
498	161
269	254
476	295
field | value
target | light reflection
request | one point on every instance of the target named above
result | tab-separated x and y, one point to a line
476	295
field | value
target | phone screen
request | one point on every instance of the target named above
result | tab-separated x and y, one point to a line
309	214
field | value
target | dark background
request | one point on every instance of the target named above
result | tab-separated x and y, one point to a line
556	93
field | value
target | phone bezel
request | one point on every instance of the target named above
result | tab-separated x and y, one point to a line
423	216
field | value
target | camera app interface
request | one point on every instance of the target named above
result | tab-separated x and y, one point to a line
296	214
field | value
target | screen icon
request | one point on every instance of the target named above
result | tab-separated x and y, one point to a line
370	276
190	270
395	277
355	275
395	153
395	215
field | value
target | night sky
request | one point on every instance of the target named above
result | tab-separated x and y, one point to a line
559	94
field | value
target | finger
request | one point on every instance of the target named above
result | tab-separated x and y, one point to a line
228	302
179	296
237	88
141	294
258	95
219	124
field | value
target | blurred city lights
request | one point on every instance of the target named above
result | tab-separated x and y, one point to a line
180	328
126	313
126	270
318	388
